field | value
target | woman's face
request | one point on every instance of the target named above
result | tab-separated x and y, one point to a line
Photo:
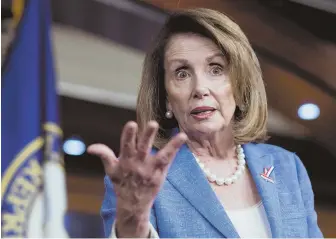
198	88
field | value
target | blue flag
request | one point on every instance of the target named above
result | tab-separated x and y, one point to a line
33	185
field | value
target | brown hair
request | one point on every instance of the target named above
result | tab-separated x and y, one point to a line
250	117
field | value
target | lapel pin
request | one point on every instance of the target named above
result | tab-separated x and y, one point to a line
266	174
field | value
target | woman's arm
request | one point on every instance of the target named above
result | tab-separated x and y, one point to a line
136	176
308	198
108	213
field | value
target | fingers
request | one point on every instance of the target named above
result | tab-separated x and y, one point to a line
107	156
128	140
146	140
165	156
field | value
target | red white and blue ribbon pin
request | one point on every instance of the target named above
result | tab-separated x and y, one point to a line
266	174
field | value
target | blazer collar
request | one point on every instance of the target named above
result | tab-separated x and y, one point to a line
189	180
257	160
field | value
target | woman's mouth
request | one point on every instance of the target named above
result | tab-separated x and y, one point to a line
203	112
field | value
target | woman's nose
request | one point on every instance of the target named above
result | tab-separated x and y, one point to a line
201	89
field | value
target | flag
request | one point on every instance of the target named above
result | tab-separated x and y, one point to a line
33	193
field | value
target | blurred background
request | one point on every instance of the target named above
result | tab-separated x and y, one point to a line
100	45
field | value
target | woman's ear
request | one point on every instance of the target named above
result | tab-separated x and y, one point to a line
169	113
168	106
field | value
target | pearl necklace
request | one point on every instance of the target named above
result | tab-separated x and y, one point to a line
229	180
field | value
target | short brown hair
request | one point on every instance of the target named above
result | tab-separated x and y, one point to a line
250	118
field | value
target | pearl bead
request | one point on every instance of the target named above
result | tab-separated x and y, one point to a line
241	156
169	114
220	181
206	171
238	173
201	165
228	181
212	178
234	177
241	167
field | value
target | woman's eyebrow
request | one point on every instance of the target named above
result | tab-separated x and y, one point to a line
219	54
170	62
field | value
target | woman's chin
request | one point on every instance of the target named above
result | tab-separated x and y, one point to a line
208	127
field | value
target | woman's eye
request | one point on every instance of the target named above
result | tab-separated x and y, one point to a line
182	74
216	70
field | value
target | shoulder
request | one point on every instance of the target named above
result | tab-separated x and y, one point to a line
269	149
280	156
278	153
287	163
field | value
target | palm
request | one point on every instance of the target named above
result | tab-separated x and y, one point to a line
137	176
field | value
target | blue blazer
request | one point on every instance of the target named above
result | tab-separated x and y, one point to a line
187	207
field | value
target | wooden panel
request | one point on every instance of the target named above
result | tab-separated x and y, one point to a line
85	194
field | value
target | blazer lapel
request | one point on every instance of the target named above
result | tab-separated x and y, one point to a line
189	180
257	163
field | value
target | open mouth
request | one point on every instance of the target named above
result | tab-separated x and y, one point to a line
204	110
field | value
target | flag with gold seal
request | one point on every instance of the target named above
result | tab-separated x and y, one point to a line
33	193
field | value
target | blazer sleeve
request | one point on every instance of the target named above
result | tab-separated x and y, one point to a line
108	209
308	198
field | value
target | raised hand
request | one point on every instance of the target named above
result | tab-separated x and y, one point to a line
137	176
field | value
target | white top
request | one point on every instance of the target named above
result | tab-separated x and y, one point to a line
251	222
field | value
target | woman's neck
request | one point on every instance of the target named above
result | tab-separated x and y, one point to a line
219	145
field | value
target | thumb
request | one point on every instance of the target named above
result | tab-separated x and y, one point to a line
107	156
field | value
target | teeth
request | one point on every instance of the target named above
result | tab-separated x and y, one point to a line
203	112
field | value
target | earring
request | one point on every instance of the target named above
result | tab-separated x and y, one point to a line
169	114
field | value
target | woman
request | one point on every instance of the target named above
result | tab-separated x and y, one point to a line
195	164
